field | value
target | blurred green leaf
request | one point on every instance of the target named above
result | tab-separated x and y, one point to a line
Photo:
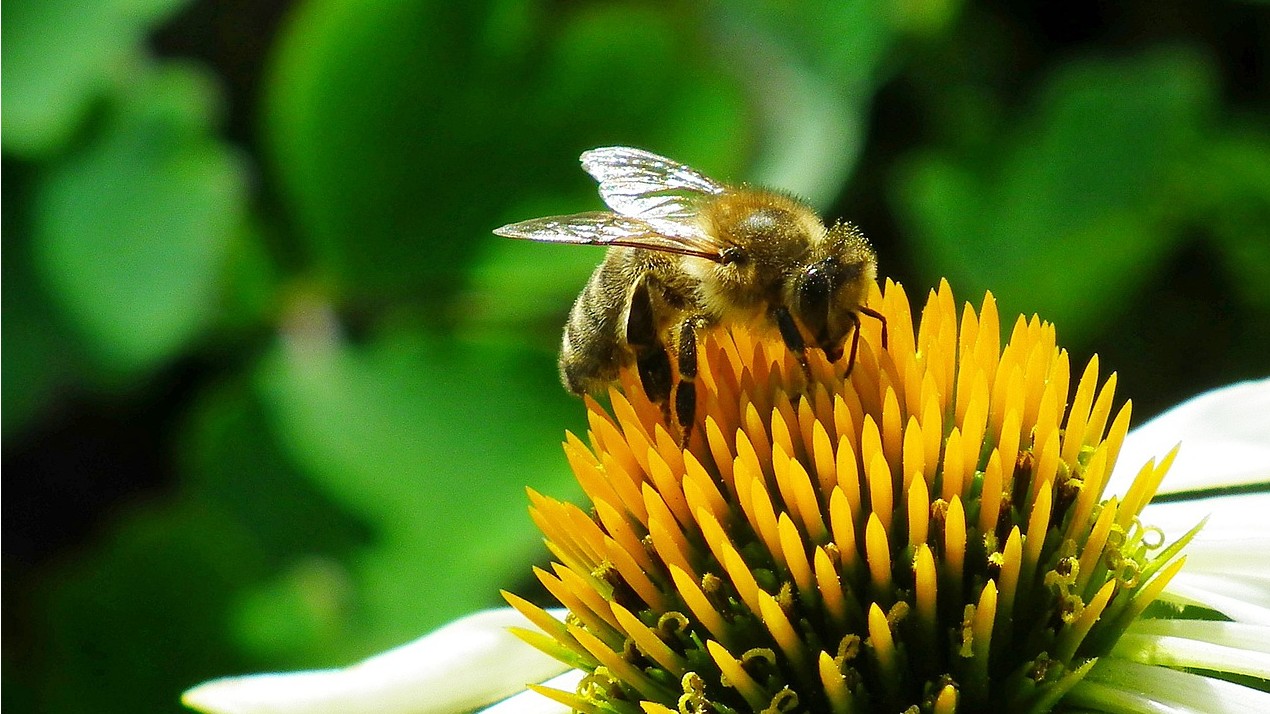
60	55
810	70
232	460
129	624
376	114
34	354
597	51
431	442
38	354
523	288
299	612
925	17
252	287
1229	193
628	73
399	130
158	604
302	617
1069	218
840	40
131	231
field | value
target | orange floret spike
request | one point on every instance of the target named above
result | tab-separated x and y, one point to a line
925	588
878	555
848	468
914	459
699	604
823	461
881	496
793	546
991	494
830	587
918	513
737	677
835	684
1078	413
1100	411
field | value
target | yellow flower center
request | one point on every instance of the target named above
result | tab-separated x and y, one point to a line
925	534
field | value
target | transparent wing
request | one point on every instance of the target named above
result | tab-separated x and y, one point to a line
641	184
604	228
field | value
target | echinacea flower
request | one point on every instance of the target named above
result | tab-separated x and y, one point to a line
947	528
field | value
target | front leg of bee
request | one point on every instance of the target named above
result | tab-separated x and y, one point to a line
651	358
791	336
686	391
876	316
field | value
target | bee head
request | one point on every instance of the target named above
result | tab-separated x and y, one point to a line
831	287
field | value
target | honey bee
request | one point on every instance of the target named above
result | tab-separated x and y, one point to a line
686	253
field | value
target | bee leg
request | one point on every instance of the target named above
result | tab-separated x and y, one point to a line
855	344
876	316
792	337
651	358
686	391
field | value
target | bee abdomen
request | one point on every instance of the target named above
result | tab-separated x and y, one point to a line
592	351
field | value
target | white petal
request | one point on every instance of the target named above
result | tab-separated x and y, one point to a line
1225	437
1186	653
1252	638
1241	601
1129	686
1226	566
534	703
1245	515
466	664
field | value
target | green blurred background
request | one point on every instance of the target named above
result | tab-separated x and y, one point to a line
272	390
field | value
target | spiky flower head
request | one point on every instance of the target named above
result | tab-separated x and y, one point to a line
925	534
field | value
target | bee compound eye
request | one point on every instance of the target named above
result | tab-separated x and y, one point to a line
732	255
813	288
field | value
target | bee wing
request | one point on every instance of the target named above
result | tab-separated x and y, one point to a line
641	184
604	228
